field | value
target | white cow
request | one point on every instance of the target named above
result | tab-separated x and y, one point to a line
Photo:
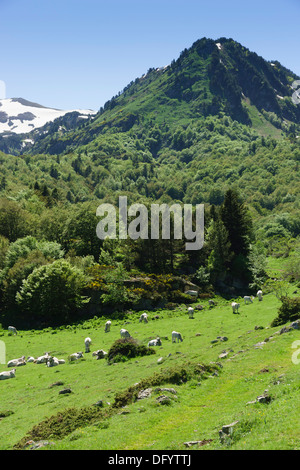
191	312
8	374
235	307
155	342
100	353
42	359
124	333
13	330
87	343
75	356
143	318
30	359
53	361
17	362
107	326
176	336
247	299
211	303
259	295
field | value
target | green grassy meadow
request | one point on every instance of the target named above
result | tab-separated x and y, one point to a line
202	406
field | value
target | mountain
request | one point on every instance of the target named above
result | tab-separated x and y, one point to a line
20	116
211	77
218	116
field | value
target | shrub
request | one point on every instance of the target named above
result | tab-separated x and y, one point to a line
127	348
52	293
288	311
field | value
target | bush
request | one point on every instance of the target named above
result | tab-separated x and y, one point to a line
52	293
288	311
127	348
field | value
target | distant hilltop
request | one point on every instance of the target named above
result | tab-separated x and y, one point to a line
20	116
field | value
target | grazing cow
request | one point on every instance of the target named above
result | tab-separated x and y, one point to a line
191	312
211	303
155	342
143	318
176	336
12	329
107	326
17	362
247	299
8	374
235	307
75	356
124	333
42	359
259	295
87	343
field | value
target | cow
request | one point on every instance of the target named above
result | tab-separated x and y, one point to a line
100	354
17	362
87	343
191	312
176	336
235	307
9	374
12	329
107	326
211	303
154	342
259	295
247	299
42	359
143	318
75	356
124	333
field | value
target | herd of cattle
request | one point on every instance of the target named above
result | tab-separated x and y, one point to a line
52	361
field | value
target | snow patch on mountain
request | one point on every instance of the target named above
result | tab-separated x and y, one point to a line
21	116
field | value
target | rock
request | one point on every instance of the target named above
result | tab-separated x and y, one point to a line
64	391
99	403
259	345
171	390
199	307
223	355
199	443
295	325
56	384
163	400
31	445
227	430
264	398
285	329
146	393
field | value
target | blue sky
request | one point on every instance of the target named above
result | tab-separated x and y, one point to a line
71	54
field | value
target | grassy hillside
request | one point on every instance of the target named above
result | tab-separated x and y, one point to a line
203	402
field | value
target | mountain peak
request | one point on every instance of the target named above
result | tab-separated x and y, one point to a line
19	116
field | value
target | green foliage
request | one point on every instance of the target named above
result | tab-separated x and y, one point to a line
127	348
288	311
52	293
